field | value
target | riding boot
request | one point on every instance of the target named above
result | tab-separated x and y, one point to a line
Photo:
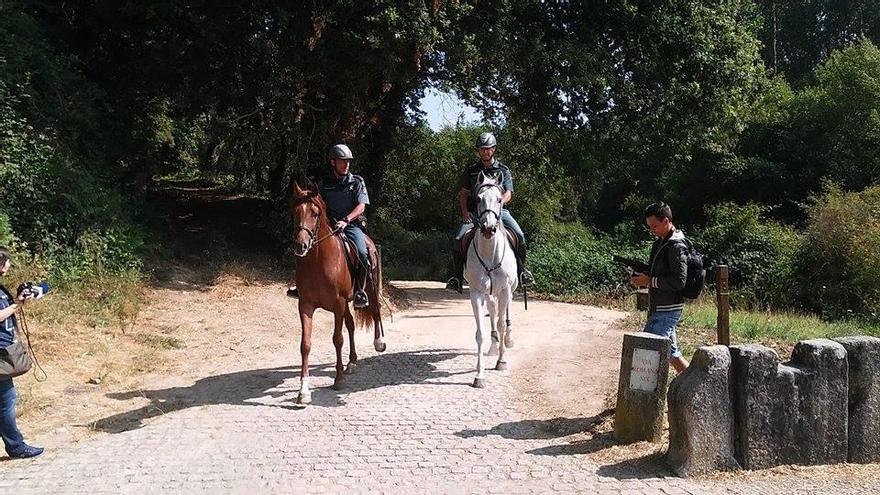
525	276
455	281
361	300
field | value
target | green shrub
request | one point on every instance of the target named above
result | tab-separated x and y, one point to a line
760	253
570	261
840	271
409	255
6	237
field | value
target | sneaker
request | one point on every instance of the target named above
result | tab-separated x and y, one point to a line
27	451
526	278
454	284
360	300
292	292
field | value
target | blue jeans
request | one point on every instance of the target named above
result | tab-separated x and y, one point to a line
357	236
12	438
508	221
663	323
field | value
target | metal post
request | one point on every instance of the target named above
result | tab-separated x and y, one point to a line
722	296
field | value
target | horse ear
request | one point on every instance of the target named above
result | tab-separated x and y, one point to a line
297	190
496	177
312	185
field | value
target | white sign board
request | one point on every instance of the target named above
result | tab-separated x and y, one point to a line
645	365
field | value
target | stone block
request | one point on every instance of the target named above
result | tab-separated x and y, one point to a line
792	413
863	356
641	389
701	415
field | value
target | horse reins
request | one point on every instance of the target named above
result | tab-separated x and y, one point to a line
314	240
490	270
504	245
477	192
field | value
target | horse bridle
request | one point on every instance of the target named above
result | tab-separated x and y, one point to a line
496	213
313	234
474	243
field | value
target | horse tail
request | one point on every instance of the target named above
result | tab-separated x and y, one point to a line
367	317
371	315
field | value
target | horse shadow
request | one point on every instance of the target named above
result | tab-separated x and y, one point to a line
278	387
542	429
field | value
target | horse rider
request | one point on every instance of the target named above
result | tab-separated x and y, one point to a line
346	197
489	165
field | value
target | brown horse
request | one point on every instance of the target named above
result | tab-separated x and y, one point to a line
325	281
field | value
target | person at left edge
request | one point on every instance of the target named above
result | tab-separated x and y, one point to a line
9	305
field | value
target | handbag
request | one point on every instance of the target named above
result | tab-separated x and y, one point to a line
15	360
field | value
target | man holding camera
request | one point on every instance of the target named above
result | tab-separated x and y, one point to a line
665	278
9	305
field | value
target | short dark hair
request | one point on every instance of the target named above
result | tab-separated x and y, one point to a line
4	254
660	210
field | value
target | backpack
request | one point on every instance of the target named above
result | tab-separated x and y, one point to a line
696	272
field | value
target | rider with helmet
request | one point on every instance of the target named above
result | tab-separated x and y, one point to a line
346	197
487	164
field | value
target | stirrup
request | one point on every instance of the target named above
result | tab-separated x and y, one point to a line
360	300
526	278
454	284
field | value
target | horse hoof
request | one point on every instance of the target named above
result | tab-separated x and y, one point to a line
494	336
304	398
340	385
501	366
508	342
380	346
493	350
350	368
479	382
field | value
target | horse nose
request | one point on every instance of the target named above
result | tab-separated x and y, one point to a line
298	247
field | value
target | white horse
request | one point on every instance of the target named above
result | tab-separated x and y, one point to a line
491	273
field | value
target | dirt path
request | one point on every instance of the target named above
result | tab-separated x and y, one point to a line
220	416
198	395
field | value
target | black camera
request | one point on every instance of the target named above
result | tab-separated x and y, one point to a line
32	290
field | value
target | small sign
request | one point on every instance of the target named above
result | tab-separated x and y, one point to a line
645	368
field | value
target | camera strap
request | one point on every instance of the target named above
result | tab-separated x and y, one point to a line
27	336
22	326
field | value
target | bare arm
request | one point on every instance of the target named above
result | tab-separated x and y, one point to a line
507	197
356	212
352	215
6	313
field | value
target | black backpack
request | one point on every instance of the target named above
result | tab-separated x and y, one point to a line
696	272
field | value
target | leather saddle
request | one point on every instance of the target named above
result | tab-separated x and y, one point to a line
352	259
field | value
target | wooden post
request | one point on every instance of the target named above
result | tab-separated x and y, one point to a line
722	296
642	299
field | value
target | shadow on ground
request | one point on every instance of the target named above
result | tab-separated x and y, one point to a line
277	387
645	466
540	429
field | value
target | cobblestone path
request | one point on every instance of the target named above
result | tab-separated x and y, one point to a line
408	422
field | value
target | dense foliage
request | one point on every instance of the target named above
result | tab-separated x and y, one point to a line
755	119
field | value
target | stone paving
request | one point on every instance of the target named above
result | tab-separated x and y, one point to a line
408	422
